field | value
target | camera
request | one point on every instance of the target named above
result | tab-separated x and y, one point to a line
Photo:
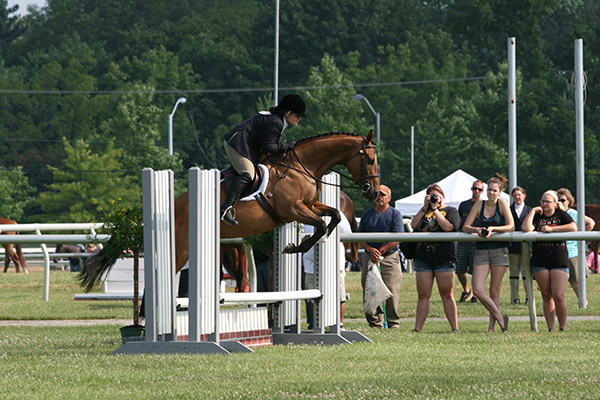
485	232
434	198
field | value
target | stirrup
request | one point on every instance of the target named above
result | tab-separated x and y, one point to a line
228	216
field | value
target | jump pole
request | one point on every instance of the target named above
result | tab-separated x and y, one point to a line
288	277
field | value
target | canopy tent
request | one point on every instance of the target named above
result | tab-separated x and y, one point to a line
456	187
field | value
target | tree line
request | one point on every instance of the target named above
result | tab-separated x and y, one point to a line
86	87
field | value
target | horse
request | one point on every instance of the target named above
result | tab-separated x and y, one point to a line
12	252
235	259
293	193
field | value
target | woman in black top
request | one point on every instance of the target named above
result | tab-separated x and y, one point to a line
550	260
249	140
435	260
491	258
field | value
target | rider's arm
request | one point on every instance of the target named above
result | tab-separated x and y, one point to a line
270	139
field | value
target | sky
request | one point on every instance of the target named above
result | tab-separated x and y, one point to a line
24	3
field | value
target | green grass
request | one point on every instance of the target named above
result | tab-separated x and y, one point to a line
76	362
21	297
41	363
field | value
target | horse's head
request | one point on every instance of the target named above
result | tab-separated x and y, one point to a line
363	167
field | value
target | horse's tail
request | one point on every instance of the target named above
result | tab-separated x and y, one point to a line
21	257
96	265
354	245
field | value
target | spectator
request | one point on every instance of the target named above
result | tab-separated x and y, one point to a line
466	250
566	198
591	260
263	264
491	258
519	211
75	262
308	262
550	260
435	259
383	218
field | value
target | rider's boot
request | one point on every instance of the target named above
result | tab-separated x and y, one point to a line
235	190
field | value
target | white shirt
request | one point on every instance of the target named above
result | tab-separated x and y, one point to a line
519	209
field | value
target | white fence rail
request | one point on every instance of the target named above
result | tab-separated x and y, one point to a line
37	237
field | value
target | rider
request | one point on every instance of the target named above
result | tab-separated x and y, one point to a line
254	137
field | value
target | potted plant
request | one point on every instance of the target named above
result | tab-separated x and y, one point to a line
125	226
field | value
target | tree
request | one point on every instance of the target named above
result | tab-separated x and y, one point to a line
134	128
86	184
15	193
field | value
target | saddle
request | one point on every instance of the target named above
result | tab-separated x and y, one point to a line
254	191
229	173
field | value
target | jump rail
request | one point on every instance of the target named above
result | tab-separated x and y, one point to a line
523	237
42	240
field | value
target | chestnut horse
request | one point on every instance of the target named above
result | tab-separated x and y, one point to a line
235	259
9	250
293	193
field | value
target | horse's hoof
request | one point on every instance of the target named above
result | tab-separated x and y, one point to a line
289	249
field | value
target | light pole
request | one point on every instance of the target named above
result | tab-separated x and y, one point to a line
359	97
179	100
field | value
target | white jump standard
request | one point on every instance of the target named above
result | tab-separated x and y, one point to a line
211	329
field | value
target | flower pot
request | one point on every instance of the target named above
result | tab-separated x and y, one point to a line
132	333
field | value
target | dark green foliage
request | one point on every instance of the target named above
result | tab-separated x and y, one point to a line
108	73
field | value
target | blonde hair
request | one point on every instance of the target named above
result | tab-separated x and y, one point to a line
554	196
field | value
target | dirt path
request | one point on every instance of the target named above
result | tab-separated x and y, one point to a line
125	322
66	322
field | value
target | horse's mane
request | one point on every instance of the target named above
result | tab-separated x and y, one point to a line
323	135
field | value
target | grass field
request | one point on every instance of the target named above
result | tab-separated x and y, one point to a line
76	362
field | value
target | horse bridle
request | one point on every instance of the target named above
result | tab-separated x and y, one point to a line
365	185
364	178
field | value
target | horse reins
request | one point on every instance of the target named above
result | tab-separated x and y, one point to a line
363	170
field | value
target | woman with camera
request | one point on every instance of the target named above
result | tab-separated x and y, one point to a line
491	258
550	260
435	259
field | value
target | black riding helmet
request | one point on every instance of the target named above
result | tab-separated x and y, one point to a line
293	103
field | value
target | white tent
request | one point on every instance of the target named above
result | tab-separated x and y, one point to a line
456	187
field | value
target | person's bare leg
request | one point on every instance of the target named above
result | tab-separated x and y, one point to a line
445	283
480	273
424	286
558	285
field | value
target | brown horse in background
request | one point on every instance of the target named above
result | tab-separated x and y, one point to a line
293	192
12	252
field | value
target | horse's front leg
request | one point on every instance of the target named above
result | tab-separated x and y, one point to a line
323	210
312	217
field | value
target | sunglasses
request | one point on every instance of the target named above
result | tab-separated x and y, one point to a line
546	201
562	200
477	189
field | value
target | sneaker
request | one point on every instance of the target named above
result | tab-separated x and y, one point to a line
466	296
516	301
474	299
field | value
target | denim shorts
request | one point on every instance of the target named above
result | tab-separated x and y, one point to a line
421	266
538	269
